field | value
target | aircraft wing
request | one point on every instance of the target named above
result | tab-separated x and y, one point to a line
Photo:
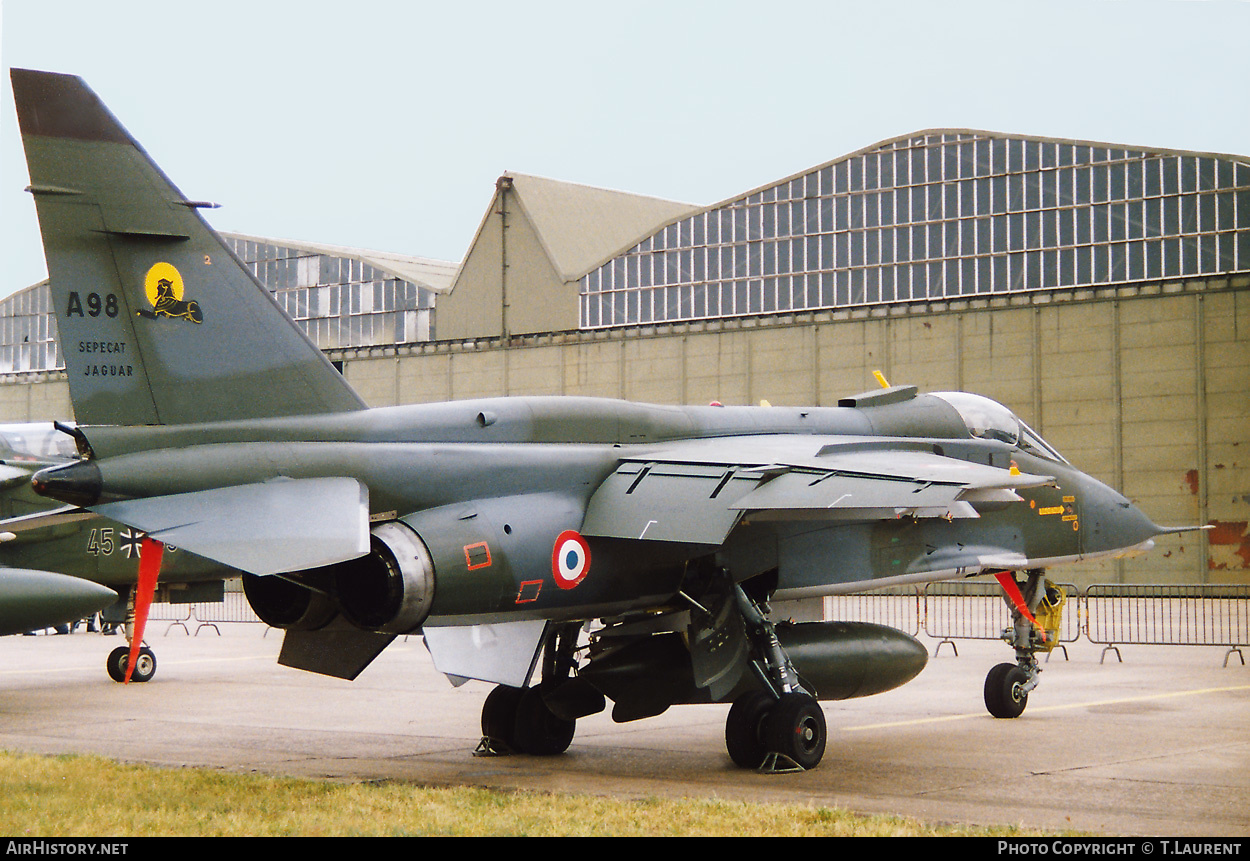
696	491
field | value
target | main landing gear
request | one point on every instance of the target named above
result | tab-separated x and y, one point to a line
1036	613
540	720
653	662
768	733
517	719
782	727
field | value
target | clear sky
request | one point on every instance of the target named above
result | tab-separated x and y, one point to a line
383	124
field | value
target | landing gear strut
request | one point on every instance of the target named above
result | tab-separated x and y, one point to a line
781	728
1036	611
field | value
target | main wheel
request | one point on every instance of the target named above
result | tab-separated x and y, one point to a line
1005	696
538	731
119	658
744	728
499	715
796	728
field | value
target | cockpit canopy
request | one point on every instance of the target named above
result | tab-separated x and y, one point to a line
35	442
990	420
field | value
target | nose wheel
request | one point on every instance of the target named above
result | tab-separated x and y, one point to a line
1006	691
137	609
1036	614
145	664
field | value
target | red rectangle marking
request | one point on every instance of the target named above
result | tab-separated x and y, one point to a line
477	555
529	591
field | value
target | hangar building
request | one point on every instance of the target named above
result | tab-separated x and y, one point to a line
1101	291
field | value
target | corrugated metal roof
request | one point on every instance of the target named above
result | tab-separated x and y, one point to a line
435	275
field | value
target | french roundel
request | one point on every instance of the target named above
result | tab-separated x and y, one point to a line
570	559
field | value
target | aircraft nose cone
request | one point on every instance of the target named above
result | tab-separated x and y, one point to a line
1111	522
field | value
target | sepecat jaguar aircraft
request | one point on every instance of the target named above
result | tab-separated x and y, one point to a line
573	551
63	564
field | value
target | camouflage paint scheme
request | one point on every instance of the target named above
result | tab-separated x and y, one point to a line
607	549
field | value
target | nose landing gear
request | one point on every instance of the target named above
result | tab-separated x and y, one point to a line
119	659
1036	614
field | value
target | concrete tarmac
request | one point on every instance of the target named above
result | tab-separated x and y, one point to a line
1158	745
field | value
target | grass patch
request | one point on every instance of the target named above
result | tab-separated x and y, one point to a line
73	796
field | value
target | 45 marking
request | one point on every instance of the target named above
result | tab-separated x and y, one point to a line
101	542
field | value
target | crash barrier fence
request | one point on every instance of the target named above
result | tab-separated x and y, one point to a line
1110	615
204	614
1173	615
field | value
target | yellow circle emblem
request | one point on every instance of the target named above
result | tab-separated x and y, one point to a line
163	281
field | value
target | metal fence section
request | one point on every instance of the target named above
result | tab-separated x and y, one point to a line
975	610
1158	615
964	611
162	612
203	614
234	608
1111	615
177	615
897	607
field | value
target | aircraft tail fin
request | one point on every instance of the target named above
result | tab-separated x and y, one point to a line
159	322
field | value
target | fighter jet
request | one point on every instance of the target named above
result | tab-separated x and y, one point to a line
68	562
572	551
32	599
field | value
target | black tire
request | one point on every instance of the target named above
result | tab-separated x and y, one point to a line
1005	696
116	664
119	658
744	728
499	716
796	728
538	731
